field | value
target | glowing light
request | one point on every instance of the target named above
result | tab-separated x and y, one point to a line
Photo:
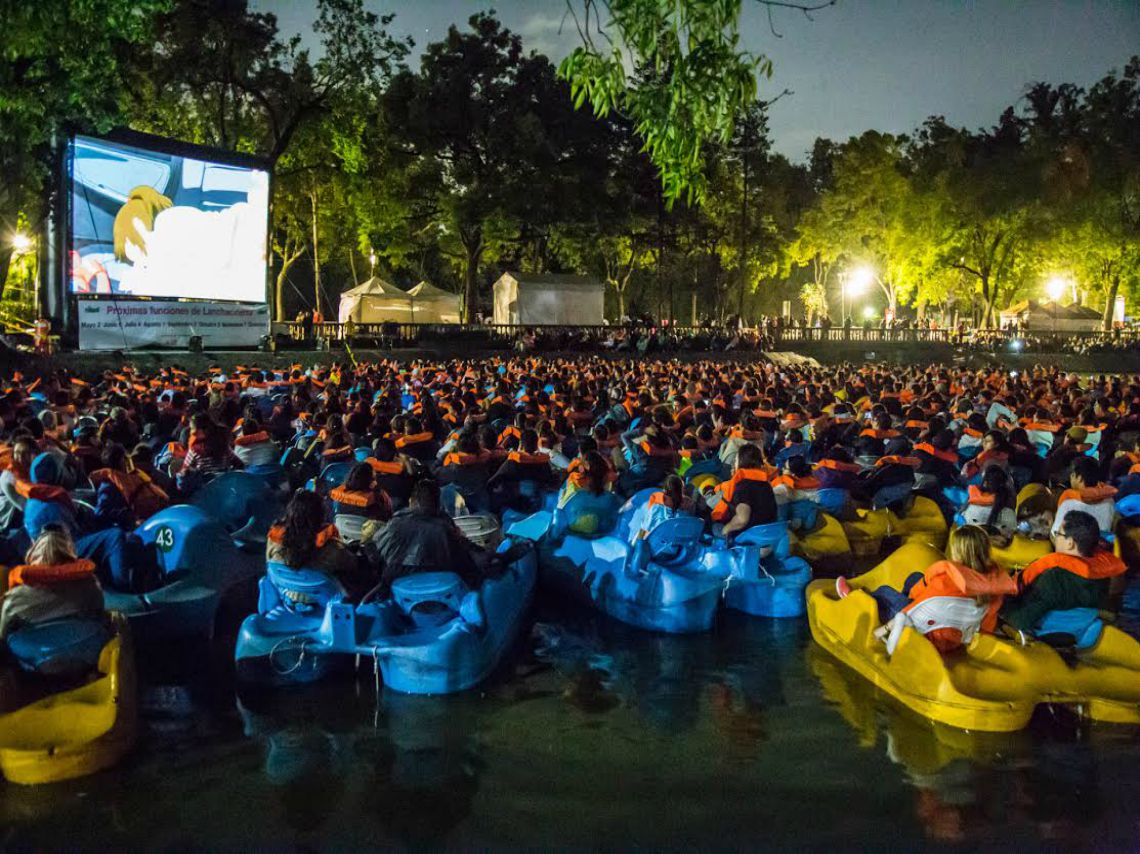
1015	345
21	243
868	312
1056	287
859	279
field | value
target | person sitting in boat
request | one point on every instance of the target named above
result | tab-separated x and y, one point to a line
871	442
422	538
665	504
795	445
360	495
336	441
938	458
797	482
649	454
890	481
746	499
466	469
995	451
970	442
1089	493
837	471
254	446
991	504
52	584
395	472
1078	574
301	539
968	574
124	496
417	442
1059	461
521	475
142	459
11	500
209	453
121	560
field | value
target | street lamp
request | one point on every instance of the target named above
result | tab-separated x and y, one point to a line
868	312
21	243
855	283
1055	287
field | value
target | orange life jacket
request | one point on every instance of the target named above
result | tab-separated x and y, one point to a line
525	459
414	439
143	496
1088	495
946	456
35	573
1103	564
324	536
791	482
838	465
723	511
978	498
253	439
895	460
879	434
382	467
947	578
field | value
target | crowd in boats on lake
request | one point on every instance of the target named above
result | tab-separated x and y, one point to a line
86	459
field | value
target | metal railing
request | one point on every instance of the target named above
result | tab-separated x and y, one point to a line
785	337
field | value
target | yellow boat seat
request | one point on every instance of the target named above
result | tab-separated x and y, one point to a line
828	540
924	523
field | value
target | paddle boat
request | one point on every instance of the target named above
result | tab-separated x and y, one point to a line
671	580
432	635
243	502
994	684
200	565
81	729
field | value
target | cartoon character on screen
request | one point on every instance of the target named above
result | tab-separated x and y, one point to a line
177	250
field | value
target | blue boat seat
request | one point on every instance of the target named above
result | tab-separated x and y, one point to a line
296	591
60	647
361	454
1077	627
673	542
771	539
332	476
429	588
1128	506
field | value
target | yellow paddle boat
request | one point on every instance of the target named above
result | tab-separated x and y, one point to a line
993	684
827	541
78	731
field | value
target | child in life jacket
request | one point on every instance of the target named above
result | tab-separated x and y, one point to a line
670	501
967	575
991	504
1088	493
359	495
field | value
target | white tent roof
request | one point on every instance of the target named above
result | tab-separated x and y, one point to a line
425	289
374	287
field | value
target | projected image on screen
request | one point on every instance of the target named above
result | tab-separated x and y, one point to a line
148	223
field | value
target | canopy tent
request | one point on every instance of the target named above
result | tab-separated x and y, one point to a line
434	305
548	300
1035	316
376	301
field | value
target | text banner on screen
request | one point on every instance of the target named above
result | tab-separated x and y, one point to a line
115	325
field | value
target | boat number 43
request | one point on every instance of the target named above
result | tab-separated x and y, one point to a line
164	538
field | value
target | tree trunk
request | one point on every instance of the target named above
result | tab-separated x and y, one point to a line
1110	302
316	256
621	303
473	247
5	265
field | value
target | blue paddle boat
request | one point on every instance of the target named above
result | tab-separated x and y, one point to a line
433	635
200	565
243	502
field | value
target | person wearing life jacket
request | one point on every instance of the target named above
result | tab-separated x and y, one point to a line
837	471
1127	459
891	480
422	538
521	476
650	457
995	451
872	440
11	500
302	539
467	468
395	473
254	446
124	496
1059	461
1079	574
746	499
360	496
797	482
938	458
52	584
122	561
991	504
970	441
1087	488
668	502
967	574
416	442
795	445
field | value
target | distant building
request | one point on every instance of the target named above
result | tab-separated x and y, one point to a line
1034	316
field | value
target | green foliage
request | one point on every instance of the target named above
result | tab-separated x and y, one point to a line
690	78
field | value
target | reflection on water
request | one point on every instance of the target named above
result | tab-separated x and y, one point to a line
592	735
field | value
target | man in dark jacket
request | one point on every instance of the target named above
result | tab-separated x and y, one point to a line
422	538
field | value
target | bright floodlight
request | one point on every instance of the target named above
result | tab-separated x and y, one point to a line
859	280
1055	287
868	312
21	243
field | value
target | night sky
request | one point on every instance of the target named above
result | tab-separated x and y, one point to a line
884	64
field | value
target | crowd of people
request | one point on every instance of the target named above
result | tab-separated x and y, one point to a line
87	458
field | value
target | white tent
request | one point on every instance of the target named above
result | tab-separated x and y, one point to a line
434	305
548	300
1037	316
376	301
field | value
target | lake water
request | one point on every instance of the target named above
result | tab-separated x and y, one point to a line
591	735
